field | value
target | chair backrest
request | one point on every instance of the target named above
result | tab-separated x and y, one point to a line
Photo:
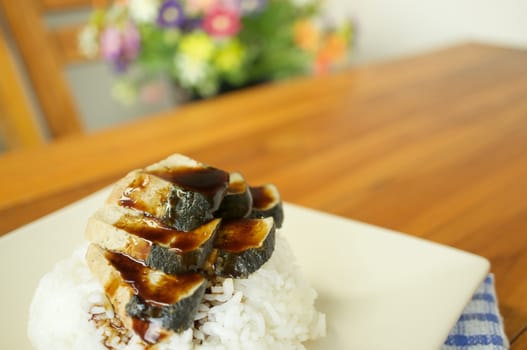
18	126
45	52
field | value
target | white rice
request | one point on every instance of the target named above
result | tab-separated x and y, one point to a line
272	309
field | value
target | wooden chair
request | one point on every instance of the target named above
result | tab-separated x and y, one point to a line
17	124
45	52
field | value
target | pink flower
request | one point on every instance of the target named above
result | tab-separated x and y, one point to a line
120	46
221	22
131	41
111	43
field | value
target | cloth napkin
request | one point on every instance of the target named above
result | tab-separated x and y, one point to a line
480	326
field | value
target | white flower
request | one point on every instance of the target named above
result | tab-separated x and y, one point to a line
87	41
190	72
144	11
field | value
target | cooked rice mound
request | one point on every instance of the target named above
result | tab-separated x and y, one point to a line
272	309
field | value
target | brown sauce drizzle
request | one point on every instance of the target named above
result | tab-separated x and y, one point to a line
137	185
150	332
238	235
154	231
163	291
138	248
209	181
263	197
111	288
149	228
237	186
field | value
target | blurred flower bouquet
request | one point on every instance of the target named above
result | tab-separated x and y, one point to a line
210	46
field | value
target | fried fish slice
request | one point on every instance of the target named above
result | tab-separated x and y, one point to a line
147	239
198	190
267	203
178	191
238	201
242	246
167	227
147	301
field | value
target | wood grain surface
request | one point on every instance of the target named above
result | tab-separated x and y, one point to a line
64	5
18	129
66	40
434	145
43	64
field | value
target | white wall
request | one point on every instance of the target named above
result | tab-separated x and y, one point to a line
392	28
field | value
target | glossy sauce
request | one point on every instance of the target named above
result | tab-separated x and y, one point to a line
263	197
111	288
211	182
150	332
238	235
155	288
127	199
237	185
154	231
149	228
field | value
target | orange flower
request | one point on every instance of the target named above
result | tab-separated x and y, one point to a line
307	36
334	49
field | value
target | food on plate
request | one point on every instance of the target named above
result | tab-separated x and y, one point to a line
179	191
267	203
139	295
146	238
242	246
238	200
181	255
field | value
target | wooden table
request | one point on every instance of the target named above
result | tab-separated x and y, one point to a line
435	146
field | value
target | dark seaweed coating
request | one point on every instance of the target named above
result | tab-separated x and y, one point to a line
276	212
187	210
236	205
267	203
170	261
178	316
242	264
211	182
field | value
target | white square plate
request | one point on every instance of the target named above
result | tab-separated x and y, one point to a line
380	289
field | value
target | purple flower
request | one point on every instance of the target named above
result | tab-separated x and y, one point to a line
120	46
131	41
171	14
111	43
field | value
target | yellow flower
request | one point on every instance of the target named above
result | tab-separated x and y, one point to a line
307	36
197	45
230	56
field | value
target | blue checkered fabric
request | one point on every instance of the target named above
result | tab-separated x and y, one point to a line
480	327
